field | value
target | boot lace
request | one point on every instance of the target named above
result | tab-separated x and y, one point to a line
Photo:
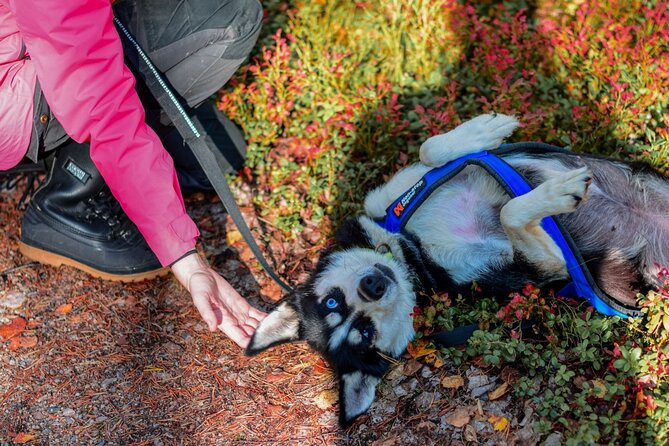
13	179
104	206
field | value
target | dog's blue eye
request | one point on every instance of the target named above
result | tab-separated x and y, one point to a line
331	303
365	333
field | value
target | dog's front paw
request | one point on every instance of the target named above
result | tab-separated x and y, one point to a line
481	133
565	193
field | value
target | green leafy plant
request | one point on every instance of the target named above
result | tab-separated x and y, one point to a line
595	378
339	96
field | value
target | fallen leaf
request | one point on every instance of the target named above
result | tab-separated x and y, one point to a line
76	318
22	438
326	399
233	237
498	392
63	309
13	328
390	441
453	382
420	348
411	367
272	292
22	342
312	235
470	434
32	324
426	425
459	417
434	360
509	375
396	372
499	423
274	377
274	411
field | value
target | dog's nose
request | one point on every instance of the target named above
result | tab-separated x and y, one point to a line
373	286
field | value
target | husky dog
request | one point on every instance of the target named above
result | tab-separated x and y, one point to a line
356	307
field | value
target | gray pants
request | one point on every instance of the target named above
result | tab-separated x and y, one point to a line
198	44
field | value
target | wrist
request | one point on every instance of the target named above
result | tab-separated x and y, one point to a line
184	268
188	253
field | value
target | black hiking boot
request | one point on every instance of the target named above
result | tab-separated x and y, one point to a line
73	219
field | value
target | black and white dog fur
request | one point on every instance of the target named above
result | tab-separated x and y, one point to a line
356	307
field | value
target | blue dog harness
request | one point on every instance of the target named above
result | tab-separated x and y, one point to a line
515	184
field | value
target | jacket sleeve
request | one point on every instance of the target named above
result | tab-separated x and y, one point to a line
78	57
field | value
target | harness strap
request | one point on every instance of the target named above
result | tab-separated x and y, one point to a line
515	184
196	138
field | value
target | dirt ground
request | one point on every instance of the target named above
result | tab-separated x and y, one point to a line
102	363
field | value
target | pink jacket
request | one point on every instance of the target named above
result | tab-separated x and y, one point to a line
74	50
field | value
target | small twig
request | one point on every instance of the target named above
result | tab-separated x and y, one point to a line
16	268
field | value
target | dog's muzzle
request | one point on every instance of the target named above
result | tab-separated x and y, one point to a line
373	286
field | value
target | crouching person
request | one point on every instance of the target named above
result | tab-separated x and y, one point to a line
111	202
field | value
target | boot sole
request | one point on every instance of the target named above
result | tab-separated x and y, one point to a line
50	258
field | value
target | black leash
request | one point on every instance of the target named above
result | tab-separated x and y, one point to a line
460	335
203	147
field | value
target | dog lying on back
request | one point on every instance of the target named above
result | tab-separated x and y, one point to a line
356	307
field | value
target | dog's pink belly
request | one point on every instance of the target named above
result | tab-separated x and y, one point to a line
469	232
469	216
460	224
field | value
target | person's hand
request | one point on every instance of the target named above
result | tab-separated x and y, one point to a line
218	303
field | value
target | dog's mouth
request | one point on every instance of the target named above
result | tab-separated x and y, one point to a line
374	285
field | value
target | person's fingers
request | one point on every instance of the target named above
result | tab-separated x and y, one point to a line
234	332
242	321
252	323
228	326
222	307
248	329
203	304
248	316
238	336
257	314
237	305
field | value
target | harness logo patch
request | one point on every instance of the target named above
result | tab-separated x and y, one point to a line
76	171
408	196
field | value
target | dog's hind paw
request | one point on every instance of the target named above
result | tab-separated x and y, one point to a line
481	133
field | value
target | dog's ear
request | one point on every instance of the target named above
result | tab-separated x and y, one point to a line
280	326
356	394
352	234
